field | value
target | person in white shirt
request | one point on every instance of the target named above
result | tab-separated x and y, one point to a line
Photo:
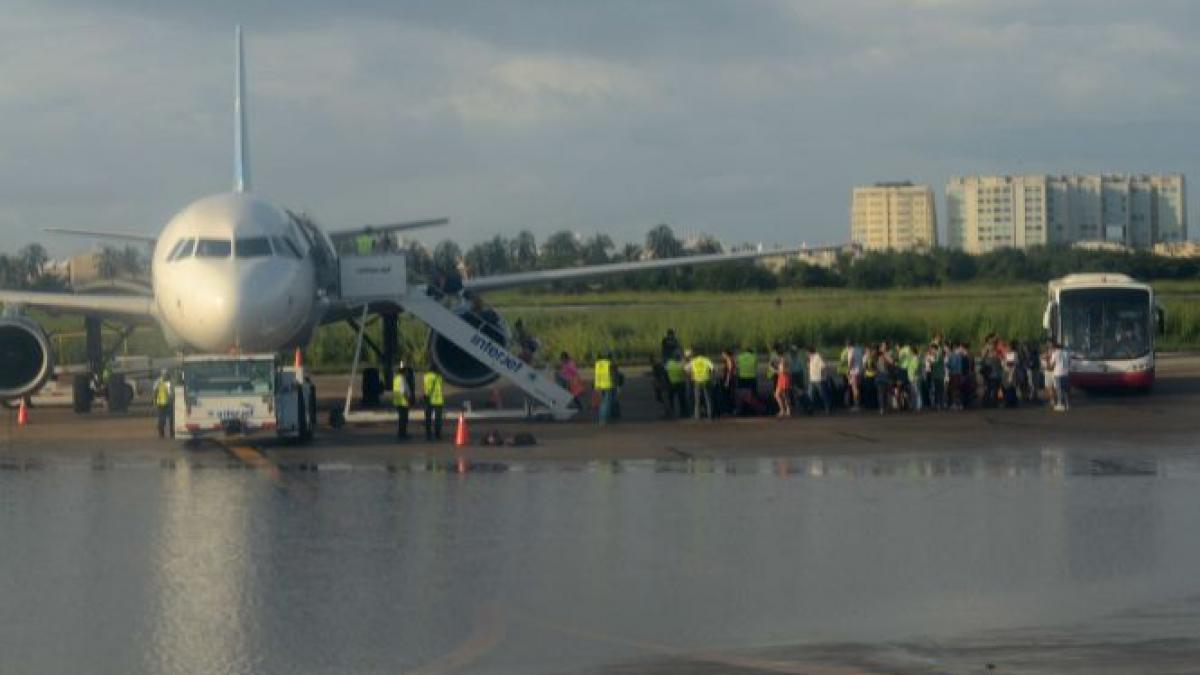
1060	366
818	386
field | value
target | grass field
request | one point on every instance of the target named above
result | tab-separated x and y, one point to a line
632	323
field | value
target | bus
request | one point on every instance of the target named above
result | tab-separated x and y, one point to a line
1108	322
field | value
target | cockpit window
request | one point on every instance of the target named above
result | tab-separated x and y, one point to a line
175	249
213	248
285	246
253	247
186	251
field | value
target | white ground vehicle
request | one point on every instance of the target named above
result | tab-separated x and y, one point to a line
1108	322
242	394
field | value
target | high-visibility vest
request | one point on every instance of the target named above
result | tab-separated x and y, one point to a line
400	391
364	243
433	388
747	365
674	371
162	394
603	375
702	369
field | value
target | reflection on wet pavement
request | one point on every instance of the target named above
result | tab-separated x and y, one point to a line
1032	560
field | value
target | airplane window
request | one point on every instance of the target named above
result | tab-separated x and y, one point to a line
213	248
186	251
285	246
175	250
253	247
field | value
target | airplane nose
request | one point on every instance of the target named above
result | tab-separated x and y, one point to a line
213	311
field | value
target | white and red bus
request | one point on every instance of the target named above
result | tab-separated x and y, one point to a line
1108	322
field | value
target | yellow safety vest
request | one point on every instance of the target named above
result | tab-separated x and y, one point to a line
433	388
747	365
162	394
674	371
364	243
604	375
399	391
702	369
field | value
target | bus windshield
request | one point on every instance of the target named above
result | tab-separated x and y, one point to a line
1109	323
229	378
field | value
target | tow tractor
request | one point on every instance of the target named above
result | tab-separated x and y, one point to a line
243	394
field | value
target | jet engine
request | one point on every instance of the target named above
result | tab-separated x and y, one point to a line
458	367
25	357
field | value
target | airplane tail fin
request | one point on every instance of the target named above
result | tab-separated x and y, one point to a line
241	172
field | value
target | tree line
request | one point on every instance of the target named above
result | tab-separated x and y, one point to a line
27	268
870	270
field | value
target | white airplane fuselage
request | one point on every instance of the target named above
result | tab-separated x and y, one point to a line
230	273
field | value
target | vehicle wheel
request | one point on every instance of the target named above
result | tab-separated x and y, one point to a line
82	390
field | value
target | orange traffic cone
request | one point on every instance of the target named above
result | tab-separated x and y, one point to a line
462	437
22	414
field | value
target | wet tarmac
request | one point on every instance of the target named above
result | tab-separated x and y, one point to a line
1031	558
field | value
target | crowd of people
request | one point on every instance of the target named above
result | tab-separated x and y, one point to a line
882	378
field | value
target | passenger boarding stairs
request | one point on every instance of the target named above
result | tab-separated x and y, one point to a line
382	278
475	342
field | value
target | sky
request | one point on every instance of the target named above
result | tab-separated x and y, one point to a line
750	120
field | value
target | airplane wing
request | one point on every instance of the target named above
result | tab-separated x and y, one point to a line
491	283
119	236
341	235
117	306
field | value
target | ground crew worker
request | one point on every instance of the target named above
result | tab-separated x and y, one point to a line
162	405
435	404
364	243
747	377
677	386
603	383
402	396
701	369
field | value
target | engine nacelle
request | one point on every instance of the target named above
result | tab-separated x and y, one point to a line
458	367
26	360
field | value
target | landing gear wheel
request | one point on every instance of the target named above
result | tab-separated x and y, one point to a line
82	390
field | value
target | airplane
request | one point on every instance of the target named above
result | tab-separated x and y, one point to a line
234	273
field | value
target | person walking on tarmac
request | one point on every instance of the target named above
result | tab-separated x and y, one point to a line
670	344
163	394
701	369
403	392
676	386
435	404
747	378
603	383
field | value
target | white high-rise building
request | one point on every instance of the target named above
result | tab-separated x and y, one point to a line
984	213
898	216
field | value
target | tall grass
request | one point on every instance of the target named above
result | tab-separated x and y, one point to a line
633	323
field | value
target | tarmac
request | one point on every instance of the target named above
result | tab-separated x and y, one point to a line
1165	418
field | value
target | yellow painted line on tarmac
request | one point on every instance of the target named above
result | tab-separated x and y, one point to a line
703	656
487	632
253	458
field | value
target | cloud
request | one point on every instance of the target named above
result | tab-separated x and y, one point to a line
751	120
